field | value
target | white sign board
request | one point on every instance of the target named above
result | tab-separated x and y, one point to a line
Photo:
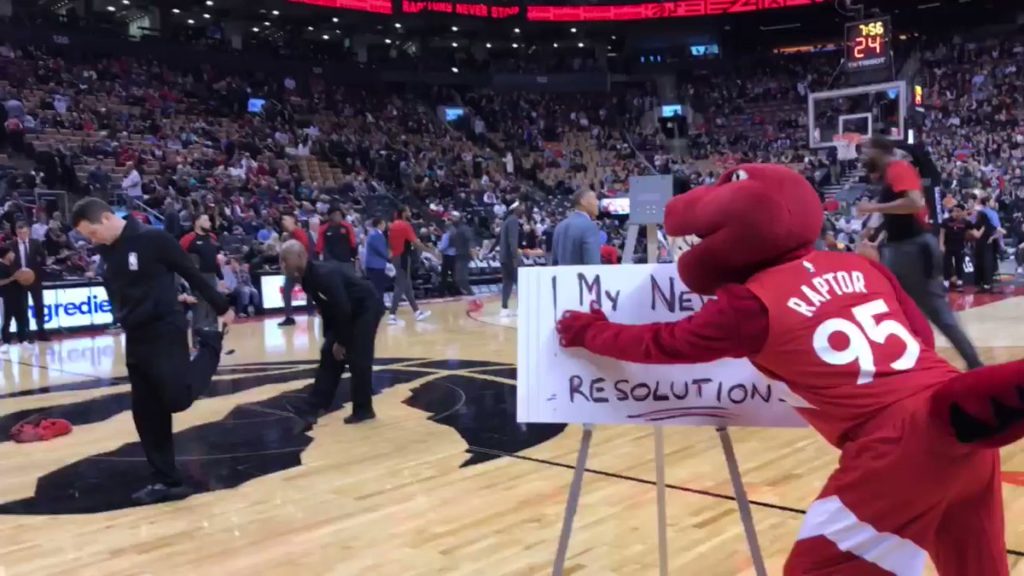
573	386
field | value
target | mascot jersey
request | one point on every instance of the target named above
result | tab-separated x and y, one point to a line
838	337
919	472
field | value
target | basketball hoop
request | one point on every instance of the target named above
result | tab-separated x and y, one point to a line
849	137
846	144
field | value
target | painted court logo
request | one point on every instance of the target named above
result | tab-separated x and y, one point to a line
261	438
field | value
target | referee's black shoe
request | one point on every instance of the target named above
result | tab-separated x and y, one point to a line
159	492
362	416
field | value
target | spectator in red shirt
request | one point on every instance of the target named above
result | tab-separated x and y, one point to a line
609	254
290	224
401	241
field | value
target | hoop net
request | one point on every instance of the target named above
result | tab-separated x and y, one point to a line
846	144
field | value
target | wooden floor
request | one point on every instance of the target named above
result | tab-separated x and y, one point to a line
443	483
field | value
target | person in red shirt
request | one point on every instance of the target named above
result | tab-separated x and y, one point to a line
337	240
401	241
609	254
290	224
911	251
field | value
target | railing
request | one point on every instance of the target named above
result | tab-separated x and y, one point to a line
133	203
629	140
32	199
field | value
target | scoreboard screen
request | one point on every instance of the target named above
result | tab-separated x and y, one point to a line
868	45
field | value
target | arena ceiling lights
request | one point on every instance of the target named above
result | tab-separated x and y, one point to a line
566	13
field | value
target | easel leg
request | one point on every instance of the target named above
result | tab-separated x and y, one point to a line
746	514
574	499
659	465
629	251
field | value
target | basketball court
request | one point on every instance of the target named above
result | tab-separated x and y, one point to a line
444	482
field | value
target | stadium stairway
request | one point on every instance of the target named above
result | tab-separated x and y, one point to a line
832	192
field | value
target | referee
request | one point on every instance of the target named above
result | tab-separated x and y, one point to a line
141	264
351	311
911	252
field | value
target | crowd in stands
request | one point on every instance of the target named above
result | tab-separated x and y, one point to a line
975	122
172	144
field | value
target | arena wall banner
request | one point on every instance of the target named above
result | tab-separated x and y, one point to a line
557	385
72	307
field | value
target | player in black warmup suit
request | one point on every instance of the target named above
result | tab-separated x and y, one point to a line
953	243
351	310
141	264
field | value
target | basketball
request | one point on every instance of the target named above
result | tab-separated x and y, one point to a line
25	277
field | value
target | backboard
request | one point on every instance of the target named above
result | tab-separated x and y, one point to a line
836	117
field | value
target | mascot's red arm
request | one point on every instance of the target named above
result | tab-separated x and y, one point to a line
733	325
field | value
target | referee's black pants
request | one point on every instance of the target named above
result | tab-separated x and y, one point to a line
165	381
358	359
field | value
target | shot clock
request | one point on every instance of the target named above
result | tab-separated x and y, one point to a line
868	45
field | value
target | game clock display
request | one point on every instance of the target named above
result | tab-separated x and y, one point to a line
868	44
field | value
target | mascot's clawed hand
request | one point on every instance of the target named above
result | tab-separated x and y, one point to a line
574	326
859	356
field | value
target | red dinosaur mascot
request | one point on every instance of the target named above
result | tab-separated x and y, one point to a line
919	470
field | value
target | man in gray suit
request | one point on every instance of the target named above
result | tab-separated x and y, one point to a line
461	240
577	239
509	255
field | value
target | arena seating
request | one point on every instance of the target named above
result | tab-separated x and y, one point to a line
84	119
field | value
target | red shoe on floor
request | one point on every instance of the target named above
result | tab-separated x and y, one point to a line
54	428
475	305
25	432
47	429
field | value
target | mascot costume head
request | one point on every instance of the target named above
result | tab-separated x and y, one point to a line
754	217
